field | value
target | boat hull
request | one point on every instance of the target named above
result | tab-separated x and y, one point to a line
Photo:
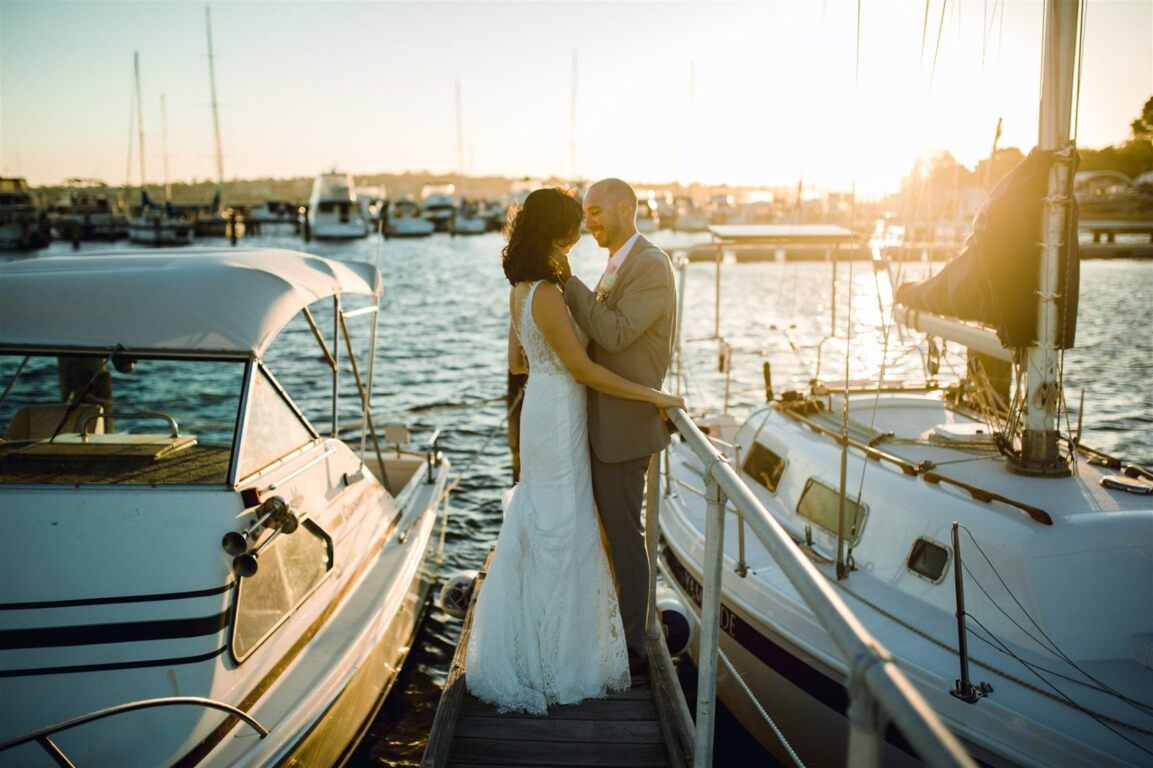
1063	573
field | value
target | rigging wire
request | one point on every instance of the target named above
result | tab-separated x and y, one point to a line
1052	646
1104	720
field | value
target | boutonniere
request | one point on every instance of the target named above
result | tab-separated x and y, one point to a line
605	285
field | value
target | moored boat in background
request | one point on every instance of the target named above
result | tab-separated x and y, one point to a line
333	210
87	210
21	225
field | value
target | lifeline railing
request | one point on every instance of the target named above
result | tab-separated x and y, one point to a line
43	736
879	691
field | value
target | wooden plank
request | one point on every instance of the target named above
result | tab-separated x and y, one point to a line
673	716
436	751
505	729
488	752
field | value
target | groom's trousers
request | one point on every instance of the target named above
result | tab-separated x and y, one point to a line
619	490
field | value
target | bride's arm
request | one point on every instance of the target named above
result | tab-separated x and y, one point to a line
551	316
516	361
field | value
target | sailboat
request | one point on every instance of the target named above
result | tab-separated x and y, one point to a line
1004	563
156	224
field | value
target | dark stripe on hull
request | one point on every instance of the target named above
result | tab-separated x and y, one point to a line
113	666
116	600
122	632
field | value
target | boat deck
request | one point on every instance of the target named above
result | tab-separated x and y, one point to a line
638	727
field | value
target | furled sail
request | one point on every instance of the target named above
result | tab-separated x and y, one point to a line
994	278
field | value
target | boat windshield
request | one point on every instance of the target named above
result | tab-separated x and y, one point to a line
117	420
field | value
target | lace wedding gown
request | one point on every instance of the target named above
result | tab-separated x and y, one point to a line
547	627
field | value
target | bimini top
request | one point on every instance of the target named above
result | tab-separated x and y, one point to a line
203	300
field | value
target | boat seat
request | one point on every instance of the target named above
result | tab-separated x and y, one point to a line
35	422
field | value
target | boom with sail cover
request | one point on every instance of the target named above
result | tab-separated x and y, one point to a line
994	278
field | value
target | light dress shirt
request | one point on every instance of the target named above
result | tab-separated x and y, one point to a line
615	262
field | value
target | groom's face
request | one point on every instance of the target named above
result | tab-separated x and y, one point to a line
602	217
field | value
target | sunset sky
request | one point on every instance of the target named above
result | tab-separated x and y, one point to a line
744	93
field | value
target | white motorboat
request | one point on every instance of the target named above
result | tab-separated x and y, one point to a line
197	568
272	212
333	210
20	221
1003	563
439	205
467	219
406	219
87	210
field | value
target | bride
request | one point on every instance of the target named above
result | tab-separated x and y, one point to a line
547	627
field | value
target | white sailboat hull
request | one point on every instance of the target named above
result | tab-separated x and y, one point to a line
1065	575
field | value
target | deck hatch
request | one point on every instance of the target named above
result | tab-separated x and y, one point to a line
821	504
764	466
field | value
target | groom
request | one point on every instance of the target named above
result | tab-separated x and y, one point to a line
630	318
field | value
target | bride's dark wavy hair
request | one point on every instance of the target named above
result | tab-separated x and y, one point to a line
547	215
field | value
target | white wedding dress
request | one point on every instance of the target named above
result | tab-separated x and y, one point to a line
547	627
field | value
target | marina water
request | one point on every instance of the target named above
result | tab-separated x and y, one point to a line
441	365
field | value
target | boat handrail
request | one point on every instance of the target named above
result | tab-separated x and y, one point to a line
879	691
43	735
924	470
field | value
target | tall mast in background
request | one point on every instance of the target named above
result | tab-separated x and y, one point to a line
215	110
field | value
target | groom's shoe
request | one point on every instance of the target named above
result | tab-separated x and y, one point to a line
638	663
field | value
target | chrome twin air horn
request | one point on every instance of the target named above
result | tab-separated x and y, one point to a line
273	513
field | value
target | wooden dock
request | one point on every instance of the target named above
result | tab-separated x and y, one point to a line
648	725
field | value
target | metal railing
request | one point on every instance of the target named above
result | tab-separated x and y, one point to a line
43	736
879	691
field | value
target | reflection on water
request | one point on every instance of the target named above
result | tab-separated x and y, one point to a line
441	357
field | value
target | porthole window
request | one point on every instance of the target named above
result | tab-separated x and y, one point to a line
289	569
928	560
821	504
764	466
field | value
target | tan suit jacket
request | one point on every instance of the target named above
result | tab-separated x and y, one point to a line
631	334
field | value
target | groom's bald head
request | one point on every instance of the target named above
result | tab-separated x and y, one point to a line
610	210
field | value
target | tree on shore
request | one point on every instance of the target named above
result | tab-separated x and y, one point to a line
1132	158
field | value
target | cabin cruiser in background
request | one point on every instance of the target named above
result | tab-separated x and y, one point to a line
439	205
272	212
333	210
21	223
404	218
468	218
191	553
687	217
647	219
87	210
1003	562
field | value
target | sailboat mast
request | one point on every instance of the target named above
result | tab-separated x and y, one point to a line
1039	442
164	145
139	115
459	142
572	121
212	87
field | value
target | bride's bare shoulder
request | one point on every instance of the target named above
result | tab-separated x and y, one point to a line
548	301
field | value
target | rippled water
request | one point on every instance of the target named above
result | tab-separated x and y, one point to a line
441	364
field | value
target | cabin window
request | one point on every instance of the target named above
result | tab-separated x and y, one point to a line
272	429
764	466
96	418
928	559
288	570
821	504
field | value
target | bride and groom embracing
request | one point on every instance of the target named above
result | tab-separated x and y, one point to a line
553	624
